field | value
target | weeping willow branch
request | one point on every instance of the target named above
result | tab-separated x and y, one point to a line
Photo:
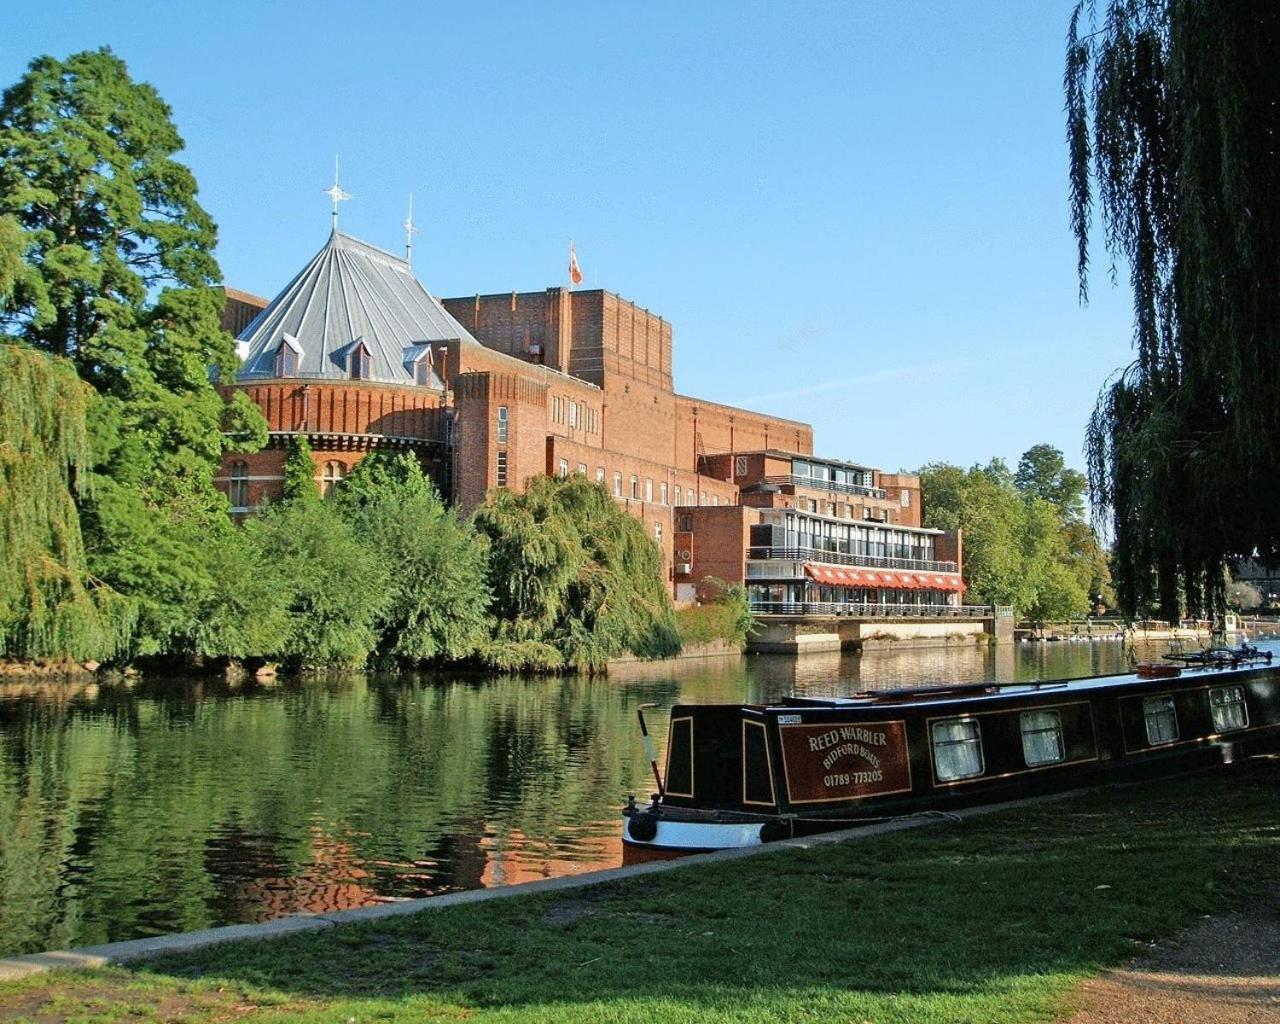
49	606
1173	117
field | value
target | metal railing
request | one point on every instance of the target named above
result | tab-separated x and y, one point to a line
863	610
790	479
848	558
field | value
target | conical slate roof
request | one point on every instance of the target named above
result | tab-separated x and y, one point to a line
350	293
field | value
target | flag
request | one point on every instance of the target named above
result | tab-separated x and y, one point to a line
575	271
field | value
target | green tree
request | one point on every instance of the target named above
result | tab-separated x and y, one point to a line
1043	473
300	471
1173	110
12	246
983	502
244	611
436	563
50	606
575	580
335	588
1019	549
118	276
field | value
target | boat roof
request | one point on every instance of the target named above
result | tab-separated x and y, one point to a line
945	694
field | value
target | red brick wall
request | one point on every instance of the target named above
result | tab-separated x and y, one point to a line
709	428
638	421
239	310
717	544
898	484
349	407
266	470
477	397
949	547
517	323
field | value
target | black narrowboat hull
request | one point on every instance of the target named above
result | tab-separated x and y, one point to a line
743	775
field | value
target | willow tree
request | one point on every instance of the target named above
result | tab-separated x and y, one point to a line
575	580
49	606
1173	116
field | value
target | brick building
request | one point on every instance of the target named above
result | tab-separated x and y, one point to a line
493	389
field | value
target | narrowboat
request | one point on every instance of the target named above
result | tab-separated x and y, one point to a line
742	774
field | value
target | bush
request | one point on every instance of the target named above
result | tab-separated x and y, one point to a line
726	617
435	562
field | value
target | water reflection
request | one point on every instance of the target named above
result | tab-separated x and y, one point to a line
167	805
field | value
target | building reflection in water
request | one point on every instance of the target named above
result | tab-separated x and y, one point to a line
169	805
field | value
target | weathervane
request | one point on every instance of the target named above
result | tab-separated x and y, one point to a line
409	232
335	193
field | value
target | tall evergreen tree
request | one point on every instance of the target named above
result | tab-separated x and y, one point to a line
118	276
1173	112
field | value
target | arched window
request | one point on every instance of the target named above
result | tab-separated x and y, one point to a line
238	491
359	363
331	478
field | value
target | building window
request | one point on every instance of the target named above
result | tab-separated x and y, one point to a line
238	491
957	749
704	498
1228	707
331	478
422	368
715	499
502	468
657	533
502	424
617	485
359	363
662	492
648	489
1162	719
573	414
686	523
1042	737
600	475
906	499
564	467
286	360
582	469
635	487
677	494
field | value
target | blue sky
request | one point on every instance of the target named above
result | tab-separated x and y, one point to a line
853	214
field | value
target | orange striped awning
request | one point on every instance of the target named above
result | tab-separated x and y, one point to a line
845	576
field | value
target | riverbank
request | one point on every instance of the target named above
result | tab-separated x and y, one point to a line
998	919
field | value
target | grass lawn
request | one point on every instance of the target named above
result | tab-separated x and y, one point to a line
994	920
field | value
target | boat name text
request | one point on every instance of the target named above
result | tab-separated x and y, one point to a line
848	732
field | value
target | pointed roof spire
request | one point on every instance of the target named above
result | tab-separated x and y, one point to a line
409	232
335	192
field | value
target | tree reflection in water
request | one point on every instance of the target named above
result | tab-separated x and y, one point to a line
168	805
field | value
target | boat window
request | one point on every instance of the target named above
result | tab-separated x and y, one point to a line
1162	719
1228	707
1041	737
957	749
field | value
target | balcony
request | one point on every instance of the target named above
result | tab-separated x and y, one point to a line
863	610
790	480
847	558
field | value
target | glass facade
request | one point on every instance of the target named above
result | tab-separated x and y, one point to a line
797	529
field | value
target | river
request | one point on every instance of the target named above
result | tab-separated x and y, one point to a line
162	805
